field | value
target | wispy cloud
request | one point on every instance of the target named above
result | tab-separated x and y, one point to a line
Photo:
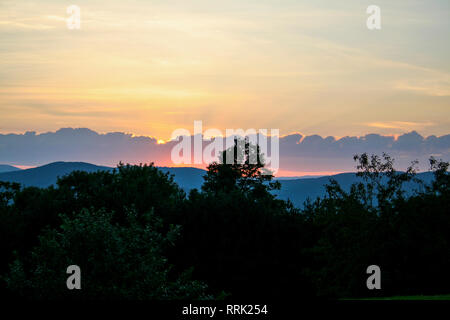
23	25
403	125
292	65
438	88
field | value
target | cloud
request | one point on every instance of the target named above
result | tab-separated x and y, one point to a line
298	153
404	125
437	89
32	26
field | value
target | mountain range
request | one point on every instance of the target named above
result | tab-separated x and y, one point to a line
295	189
7	168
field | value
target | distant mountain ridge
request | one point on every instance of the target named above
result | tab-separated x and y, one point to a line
8	168
47	175
296	190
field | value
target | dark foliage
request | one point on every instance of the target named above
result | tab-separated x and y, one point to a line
135	234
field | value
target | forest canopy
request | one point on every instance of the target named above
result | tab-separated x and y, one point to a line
137	236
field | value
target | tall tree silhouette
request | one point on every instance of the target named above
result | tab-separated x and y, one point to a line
241	167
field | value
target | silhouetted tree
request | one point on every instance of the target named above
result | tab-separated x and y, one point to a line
117	261
134	233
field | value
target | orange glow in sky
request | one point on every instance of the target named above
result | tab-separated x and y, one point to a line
302	66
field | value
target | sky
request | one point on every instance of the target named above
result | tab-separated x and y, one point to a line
149	67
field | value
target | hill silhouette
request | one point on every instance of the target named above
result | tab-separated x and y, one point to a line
187	178
298	190
7	168
47	175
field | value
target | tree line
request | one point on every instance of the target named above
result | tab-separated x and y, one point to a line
137	236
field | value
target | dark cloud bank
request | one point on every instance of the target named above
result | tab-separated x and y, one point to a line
297	152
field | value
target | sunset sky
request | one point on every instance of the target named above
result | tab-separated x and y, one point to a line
149	67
